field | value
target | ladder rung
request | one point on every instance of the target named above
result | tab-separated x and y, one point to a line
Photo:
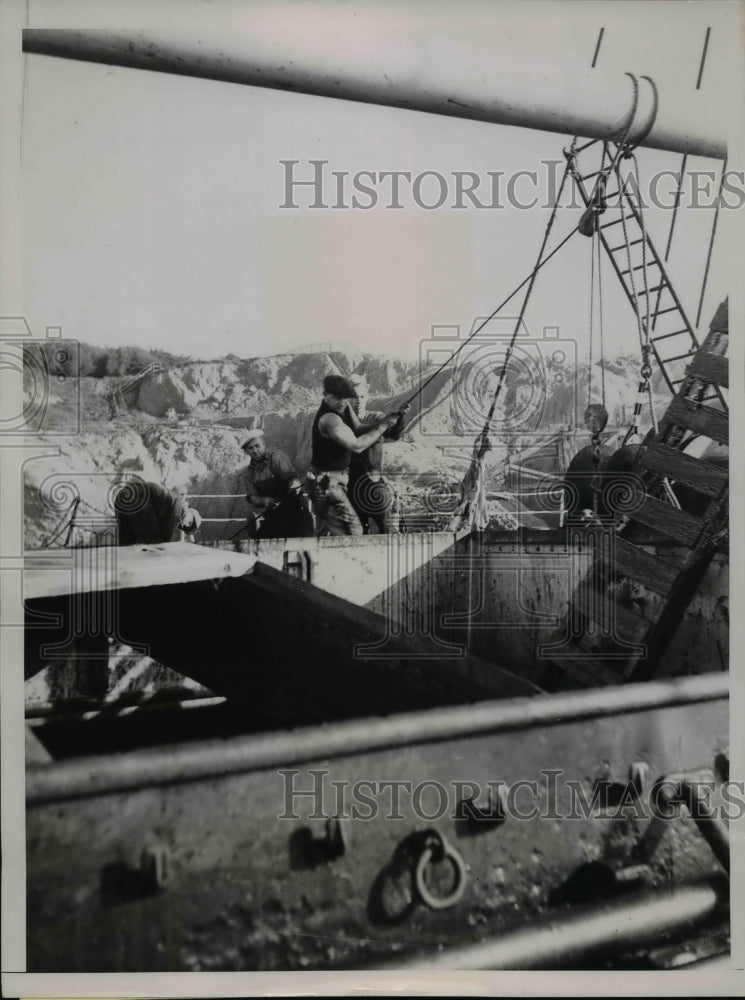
640	267
599	606
666	461
585	146
661	312
710	368
585	666
674	523
588	177
615	222
675	333
654	288
677	357
622	246
702	419
630	560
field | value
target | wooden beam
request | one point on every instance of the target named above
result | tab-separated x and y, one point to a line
711	368
600	607
701	419
673	523
700	476
629	560
670	617
586	667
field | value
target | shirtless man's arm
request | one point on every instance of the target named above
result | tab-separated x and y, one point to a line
368	425
333	427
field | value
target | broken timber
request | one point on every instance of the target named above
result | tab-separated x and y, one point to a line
605	638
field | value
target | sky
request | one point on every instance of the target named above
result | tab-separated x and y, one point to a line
152	203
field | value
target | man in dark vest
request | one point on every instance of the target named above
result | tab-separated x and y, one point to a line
334	441
373	497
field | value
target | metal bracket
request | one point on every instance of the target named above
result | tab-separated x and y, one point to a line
689	790
484	813
137	878
155	867
298	563
309	851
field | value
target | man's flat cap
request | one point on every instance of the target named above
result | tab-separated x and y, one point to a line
338	386
252	435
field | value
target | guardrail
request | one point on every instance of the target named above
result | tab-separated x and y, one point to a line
412	521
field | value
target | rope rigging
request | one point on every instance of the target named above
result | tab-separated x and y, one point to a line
596	414
490	317
473	506
518	324
644	323
590	221
472	509
68	520
600	323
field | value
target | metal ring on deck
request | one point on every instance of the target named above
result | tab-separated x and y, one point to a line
439	849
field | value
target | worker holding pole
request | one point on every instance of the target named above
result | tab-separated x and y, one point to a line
279	508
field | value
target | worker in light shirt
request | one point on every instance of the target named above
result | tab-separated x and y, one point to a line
278	507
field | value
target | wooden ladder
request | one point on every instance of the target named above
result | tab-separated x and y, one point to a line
607	637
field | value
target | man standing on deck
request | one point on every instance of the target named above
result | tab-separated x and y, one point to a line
274	492
373	498
335	439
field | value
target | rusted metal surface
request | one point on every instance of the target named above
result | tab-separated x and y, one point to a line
499	597
202	874
502	595
175	857
691	791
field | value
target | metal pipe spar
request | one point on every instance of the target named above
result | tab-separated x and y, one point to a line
83	777
397	65
712	828
562	941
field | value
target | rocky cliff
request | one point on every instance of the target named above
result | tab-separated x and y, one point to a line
182	425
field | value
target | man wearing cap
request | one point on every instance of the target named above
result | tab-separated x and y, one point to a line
274	492
148	513
336	436
373	498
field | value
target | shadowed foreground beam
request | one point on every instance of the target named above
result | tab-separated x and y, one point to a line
609	929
